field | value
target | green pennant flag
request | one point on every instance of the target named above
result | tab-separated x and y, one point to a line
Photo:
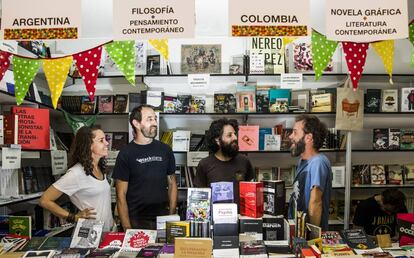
412	57
123	54
24	71
76	122
411	33
322	51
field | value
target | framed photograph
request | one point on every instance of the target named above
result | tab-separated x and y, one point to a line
200	59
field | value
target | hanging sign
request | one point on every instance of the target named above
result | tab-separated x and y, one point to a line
11	158
367	20
59	162
149	19
291	81
198	81
41	19
269	18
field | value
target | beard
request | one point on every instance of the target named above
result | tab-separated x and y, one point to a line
298	147
150	132
229	149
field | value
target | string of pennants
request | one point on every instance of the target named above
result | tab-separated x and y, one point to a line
56	70
123	55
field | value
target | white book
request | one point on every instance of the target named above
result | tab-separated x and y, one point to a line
87	234
225	213
407	100
161	220
272	142
135	239
389	100
154	98
39	254
338	176
181	140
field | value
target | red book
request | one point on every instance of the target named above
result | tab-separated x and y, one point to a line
34	127
112	240
248	137
10	129
315	251
251	199
405	222
307	253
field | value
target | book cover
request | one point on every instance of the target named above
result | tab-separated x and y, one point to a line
11	128
40	254
4	225
225	213
262	133
109	138
407	139
222	192
251	199
272	142
389	100
274	197
321	102
34	127
265	174
237	64
119	140
112	240
338	176
262	98
201	58
136	99
286	175
177	229
246	99
170	102
198	104
135	239
193	247
361	175
300	99
380	138
87	106
279	100
405	222
378	175
394	138
156	99
224	103
183	104
357	239
255	247
120	103
181	140
87	234
409	174
256	61
20	225
105	104
372	101
34	243
151	250
395	174
248	137
407	100
198	204
56	243
285	142
273	230
153	64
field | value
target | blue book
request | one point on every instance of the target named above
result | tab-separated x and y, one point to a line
279	100
262	133
222	192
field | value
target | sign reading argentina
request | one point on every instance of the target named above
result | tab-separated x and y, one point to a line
149	19
269	18
41	19
367	20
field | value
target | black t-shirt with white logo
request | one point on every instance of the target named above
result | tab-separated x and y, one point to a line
145	168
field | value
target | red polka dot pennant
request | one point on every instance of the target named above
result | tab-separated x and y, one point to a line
355	56
88	64
4	63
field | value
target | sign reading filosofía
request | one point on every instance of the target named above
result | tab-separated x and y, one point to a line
366	20
41	19
153	19
269	18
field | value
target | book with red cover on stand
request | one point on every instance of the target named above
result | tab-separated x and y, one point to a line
405	222
251	199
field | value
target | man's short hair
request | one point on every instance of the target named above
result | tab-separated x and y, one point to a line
312	124
136	114
216	131
395	198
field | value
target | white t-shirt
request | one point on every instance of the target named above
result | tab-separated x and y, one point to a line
87	192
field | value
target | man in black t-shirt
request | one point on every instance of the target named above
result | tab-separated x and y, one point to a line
144	173
377	215
224	163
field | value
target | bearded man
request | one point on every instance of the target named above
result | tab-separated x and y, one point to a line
313	180
224	163
145	174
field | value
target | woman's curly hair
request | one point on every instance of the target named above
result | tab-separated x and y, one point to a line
80	151
216	131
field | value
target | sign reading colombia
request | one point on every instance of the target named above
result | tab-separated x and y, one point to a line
269	18
148	19
41	19
367	20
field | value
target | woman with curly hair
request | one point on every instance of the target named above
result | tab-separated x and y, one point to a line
85	182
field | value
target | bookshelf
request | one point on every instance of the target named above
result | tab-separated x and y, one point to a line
18	199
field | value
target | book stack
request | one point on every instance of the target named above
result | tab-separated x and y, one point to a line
226	230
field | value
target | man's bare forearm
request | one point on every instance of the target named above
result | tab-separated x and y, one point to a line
315	213
123	212
172	193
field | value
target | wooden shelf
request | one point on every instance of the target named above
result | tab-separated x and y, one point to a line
381	186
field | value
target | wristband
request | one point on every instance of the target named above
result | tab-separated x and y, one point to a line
70	218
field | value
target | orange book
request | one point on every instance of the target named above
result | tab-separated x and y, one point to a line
307	253
248	138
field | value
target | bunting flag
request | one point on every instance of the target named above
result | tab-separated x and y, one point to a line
4	63
24	71
161	45
123	54
322	51
355	56
385	49
56	71
76	122
88	65
288	40
411	33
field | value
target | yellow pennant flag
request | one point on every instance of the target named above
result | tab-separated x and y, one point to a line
161	45
288	40
385	49
56	71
